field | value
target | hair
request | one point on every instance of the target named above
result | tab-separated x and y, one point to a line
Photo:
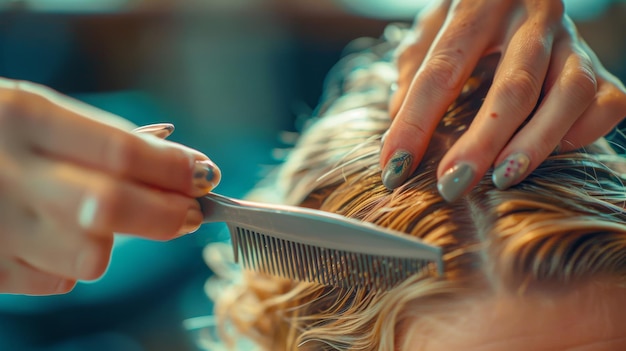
562	225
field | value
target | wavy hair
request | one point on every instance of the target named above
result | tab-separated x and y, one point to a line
564	224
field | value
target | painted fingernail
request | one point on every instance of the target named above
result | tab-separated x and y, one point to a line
206	176
159	130
193	220
455	181
510	170
397	169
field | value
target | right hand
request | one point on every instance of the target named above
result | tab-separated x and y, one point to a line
71	176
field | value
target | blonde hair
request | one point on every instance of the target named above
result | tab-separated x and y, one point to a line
563	225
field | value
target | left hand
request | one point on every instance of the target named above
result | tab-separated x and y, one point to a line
541	52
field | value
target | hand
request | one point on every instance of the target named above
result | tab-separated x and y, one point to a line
71	176
541	54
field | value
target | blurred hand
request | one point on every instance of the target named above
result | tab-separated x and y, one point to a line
72	175
542	54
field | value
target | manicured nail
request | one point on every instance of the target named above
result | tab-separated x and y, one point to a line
397	169
206	176
87	212
193	220
455	181
159	130
510	170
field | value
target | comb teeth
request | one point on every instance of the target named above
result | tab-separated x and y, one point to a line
266	254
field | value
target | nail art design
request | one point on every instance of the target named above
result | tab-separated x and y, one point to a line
206	175
397	169
455	181
510	170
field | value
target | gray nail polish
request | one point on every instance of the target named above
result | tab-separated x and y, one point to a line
455	181
397	169
510	170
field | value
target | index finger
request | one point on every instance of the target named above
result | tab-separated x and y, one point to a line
450	61
63	128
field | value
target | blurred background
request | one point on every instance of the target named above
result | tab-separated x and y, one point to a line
231	75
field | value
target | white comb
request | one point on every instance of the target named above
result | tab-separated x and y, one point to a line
316	246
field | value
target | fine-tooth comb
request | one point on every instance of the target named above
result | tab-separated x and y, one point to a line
316	246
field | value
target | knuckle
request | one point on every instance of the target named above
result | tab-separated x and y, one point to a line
444	72
614	98
110	198
520	90
581	83
418	131
121	151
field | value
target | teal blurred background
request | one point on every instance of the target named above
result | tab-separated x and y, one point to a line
231	75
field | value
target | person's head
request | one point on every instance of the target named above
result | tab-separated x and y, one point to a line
539	266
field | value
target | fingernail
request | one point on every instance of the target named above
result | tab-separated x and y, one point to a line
87	212
193	220
510	170
397	169
159	130
455	181
206	176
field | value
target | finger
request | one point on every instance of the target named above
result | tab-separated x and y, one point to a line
19	278
572	92
411	52
49	244
603	114
49	247
439	80
80	256
18	93
55	127
69	194
513	95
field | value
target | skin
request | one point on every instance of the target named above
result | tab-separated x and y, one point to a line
73	175
543	62
588	318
